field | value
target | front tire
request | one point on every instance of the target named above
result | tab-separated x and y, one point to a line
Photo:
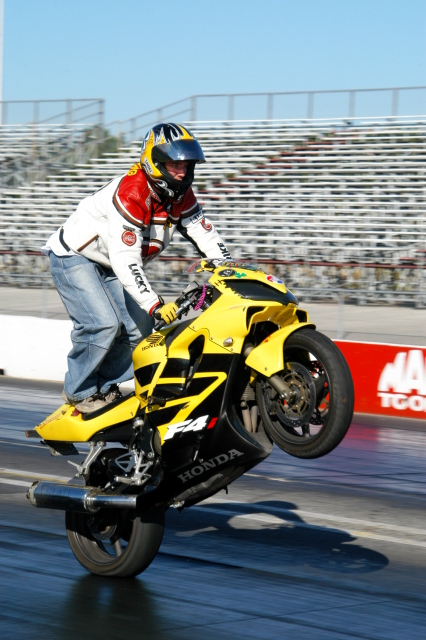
114	543
317	417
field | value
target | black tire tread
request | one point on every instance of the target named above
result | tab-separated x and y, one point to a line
145	540
341	397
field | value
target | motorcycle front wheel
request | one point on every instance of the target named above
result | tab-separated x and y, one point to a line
114	543
315	419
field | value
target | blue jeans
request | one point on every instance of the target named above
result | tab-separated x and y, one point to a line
108	325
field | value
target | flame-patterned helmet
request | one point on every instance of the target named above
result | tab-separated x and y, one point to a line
168	142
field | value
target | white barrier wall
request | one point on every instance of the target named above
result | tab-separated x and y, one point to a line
34	348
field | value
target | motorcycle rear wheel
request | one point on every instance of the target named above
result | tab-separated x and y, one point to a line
112	543
316	420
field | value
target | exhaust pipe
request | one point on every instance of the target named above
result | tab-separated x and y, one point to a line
51	495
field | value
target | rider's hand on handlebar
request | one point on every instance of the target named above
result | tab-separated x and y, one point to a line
166	312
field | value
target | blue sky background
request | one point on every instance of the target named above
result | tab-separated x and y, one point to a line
139	55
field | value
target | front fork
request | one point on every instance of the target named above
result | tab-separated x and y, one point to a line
283	390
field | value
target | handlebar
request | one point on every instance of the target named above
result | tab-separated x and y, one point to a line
179	311
185	301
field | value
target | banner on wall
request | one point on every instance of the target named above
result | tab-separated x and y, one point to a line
388	379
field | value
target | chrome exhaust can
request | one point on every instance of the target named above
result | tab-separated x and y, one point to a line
65	497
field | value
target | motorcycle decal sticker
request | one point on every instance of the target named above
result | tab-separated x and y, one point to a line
185	426
153	341
274	279
204	466
236	265
129	238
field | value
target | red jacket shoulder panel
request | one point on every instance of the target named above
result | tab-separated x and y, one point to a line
133	197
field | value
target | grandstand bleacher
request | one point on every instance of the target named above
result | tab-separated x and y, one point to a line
335	208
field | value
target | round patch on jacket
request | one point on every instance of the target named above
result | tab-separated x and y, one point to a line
206	225
129	238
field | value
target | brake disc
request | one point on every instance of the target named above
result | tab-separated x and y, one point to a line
297	411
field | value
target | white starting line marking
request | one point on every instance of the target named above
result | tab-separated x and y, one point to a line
284	517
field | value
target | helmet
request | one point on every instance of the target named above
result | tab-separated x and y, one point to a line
168	142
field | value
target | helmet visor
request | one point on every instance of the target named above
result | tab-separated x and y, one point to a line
179	151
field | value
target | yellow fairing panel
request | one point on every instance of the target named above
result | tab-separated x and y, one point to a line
268	357
63	426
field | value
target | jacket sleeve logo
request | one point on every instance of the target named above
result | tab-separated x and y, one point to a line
129	238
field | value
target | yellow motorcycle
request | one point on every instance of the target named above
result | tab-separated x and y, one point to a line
213	393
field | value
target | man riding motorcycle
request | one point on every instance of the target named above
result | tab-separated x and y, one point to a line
97	260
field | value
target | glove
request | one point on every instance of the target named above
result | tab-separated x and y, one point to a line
166	312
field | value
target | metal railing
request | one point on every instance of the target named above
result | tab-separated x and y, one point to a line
301	105
68	111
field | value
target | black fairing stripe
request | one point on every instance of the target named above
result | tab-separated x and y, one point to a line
121	432
168	391
144	375
163	416
212	362
257	291
175	368
216	401
173	333
198	385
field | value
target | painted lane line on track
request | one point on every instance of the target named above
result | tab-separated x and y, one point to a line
15	483
23	444
323	516
31	474
369	531
289	518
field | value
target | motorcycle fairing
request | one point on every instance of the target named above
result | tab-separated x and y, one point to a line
216	406
216	458
268	357
68	425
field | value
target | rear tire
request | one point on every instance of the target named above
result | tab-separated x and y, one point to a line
113	543
317	418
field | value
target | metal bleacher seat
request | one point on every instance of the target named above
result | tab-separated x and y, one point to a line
317	199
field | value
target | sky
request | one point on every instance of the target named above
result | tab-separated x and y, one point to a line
138	55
